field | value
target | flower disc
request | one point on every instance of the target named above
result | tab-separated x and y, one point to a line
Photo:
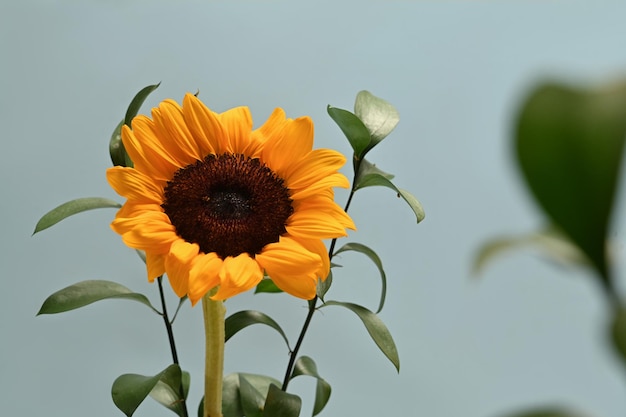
228	204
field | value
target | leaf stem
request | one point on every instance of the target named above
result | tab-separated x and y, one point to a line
313	303
170	336
214	313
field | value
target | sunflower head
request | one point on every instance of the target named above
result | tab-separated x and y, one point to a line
214	203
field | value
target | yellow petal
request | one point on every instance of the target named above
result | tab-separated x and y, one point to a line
134	185
292	267
155	265
317	246
316	165
237	275
333	180
153	237
293	143
316	224
273	126
178	263
147	152
124	224
203	276
238	124
173	133
205	125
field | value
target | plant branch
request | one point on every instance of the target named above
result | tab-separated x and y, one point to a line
170	336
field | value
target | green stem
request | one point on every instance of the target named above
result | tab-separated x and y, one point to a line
214	313
170	336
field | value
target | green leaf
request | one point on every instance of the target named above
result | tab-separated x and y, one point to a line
253	391
369	172
137	102
546	412
324	286
358	247
129	390
281	404
569	144
377	115
245	318
73	207
117	151
167	391
376	329
369	176
306	366
267	285
231	400
87	292
550	242
618	333
353	128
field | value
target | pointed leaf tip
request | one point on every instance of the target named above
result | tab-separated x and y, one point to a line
72	207
87	292
281	404
376	329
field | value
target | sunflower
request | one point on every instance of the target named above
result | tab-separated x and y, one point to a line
214	203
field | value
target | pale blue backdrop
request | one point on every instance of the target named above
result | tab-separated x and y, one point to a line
523	334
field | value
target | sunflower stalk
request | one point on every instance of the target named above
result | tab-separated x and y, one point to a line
214	316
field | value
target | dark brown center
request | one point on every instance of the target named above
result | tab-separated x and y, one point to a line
228	204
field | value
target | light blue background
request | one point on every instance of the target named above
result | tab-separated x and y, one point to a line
526	333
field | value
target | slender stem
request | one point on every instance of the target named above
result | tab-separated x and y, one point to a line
214	313
312	307
294	353
168	325
170	336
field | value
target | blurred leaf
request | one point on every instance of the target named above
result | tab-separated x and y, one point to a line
167	391
137	102
87	292
267	285
379	116
253	390
569	146
353	128
369	175
70	208
618	333
281	404
358	247
129	390
324	286
245	318
201	408
306	366
550	242
117	152
376	329
546	412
